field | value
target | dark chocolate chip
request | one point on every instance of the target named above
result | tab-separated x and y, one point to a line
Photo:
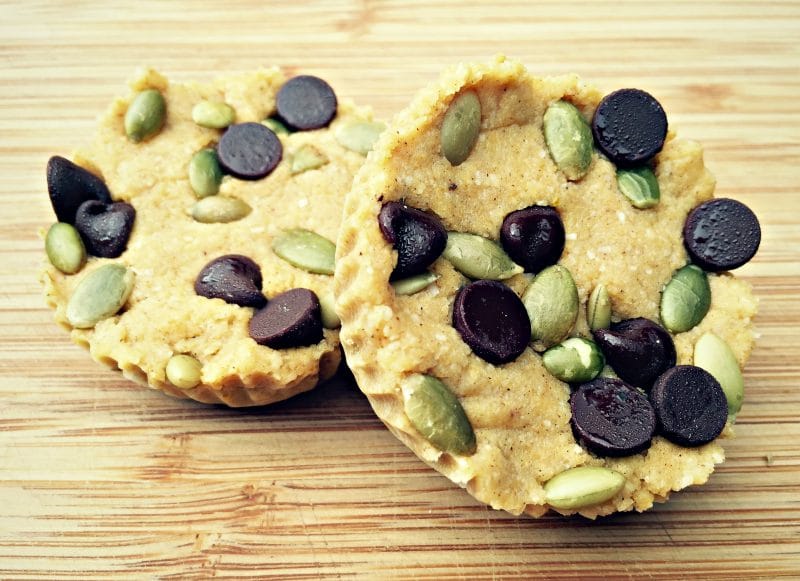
629	127
306	102
721	234
492	320
70	185
611	418
234	278
291	319
105	227
690	406
249	151
638	350
418	237
533	237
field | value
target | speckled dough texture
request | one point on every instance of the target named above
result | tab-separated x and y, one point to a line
167	248
519	412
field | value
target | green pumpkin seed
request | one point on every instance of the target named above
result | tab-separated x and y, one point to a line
145	115
99	295
598	309
568	138
213	114
686	299
575	360
330	320
414	284
275	126
478	257
219	209
715	356
582	486
184	371
307	157
437	414
359	136
460	127
306	249
640	186
552	304
65	248
205	173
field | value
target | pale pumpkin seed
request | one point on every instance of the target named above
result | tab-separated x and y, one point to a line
640	186
598	309
437	414
582	486
145	115
478	257
275	126
414	284
569	139
306	249
360	135
307	157
715	356
213	114
330	320
99	295
205	173
575	360
460	127
184	371
219	209
65	248
552	304
686	299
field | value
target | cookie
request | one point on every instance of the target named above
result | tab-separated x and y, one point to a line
199	212
557	412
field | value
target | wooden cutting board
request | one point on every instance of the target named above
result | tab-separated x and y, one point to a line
100	478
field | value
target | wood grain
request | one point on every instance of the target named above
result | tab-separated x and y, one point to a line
101	479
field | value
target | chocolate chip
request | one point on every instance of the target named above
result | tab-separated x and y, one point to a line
492	320
291	319
611	418
638	350
418	237
690	406
629	127
306	102
249	151
70	185
721	234
533	237
234	278
105	227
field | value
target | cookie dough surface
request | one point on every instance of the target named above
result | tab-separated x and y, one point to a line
167	248
519	412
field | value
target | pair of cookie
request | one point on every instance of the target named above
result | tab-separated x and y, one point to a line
511	280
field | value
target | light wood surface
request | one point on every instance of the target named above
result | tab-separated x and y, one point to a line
100	478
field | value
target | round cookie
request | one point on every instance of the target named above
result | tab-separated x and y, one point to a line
504	430
184	328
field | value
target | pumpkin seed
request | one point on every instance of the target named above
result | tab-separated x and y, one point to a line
184	371
460	127
552	304
640	186
598	309
145	115
437	414
359	136
568	138
582	486
478	257
205	174
330	320
99	295
307	157
575	360
306	249
64	248
219	209
414	284
213	114
686	299
715	356
275	126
